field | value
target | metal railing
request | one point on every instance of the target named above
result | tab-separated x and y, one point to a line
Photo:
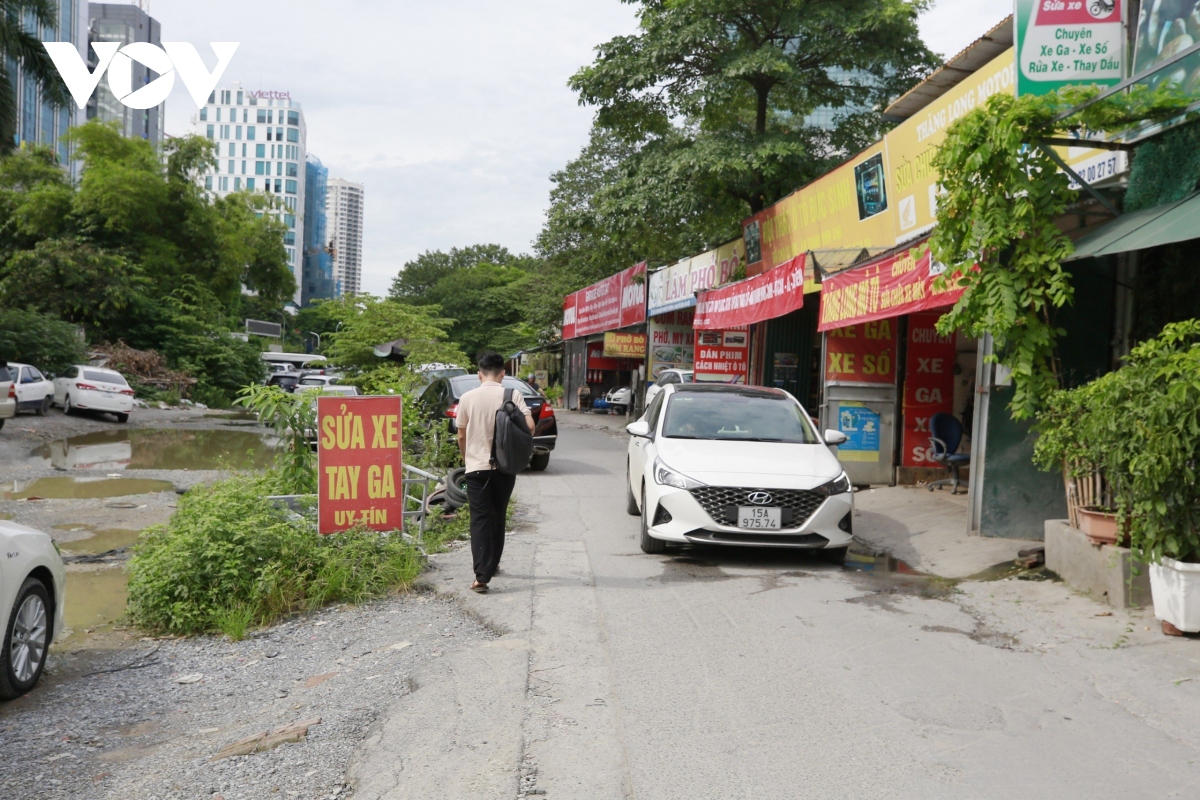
426	480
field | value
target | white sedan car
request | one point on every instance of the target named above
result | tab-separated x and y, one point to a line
32	582
34	390
736	465
666	378
85	388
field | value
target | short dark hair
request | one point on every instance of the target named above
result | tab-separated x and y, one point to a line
491	362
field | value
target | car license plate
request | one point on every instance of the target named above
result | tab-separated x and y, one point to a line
757	518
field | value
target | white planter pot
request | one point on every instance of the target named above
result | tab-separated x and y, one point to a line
1175	586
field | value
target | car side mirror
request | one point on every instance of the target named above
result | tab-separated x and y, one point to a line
640	428
835	437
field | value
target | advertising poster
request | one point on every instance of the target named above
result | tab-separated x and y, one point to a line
722	356
625	345
675	287
1165	27
615	302
766	296
1065	42
359	463
862	354
633	296
672	342
861	426
928	385
887	288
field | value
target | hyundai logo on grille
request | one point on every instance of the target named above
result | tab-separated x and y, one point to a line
759	498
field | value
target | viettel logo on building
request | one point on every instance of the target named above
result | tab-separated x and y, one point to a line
117	61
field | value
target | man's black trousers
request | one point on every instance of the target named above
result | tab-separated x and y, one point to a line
488	492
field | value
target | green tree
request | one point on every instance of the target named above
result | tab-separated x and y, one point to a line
421	274
21	48
367	322
28	337
73	280
487	303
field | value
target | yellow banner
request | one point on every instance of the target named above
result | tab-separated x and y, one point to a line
624	345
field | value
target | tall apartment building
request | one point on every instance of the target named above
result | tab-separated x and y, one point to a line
344	216
318	261
38	122
112	22
260	138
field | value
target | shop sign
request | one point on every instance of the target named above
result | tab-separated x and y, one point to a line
359	463
767	296
1069	42
863	353
672	342
674	287
928	385
892	286
861	426
1166	27
722	356
615	302
625	345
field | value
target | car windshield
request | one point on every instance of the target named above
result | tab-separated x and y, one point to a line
104	377
466	383
728	416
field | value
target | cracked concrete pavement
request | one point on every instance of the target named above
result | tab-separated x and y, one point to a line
709	673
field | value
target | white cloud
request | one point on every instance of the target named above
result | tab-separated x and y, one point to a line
453	114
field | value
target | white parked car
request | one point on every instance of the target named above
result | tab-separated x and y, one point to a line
620	397
736	465
34	390
666	377
85	388
318	380
8	395
32	582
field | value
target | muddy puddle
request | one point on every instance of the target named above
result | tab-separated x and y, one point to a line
80	488
102	540
95	601
171	448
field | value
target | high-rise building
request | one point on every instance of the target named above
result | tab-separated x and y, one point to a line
344	216
112	22
37	121
318	261
260	138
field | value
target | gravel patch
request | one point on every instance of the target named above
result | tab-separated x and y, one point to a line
148	728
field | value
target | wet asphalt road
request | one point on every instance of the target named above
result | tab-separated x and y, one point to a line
714	673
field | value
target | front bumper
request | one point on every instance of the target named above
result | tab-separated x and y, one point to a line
828	526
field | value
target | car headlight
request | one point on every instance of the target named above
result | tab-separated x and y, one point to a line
839	485
666	476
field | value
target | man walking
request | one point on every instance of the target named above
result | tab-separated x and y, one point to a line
488	489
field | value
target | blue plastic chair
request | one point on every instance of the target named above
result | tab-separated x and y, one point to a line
945	436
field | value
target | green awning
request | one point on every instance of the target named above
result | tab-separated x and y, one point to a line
1173	222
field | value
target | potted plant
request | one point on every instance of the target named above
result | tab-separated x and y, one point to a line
554	394
1140	426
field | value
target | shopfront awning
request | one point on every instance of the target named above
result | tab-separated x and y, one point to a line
1173	222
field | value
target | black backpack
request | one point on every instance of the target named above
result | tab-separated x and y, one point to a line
512	444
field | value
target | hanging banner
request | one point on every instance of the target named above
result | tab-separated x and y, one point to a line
359	463
1070	42
889	287
673	288
863	353
615	302
928	385
624	345
767	296
722	356
672	342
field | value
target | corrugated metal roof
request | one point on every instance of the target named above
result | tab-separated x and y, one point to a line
954	71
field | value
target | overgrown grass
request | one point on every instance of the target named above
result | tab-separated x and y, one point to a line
228	560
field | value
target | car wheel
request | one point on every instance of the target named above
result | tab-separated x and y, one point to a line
67	410
539	462
25	640
649	543
122	418
44	408
833	555
631	506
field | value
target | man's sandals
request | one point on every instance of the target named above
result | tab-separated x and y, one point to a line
481	588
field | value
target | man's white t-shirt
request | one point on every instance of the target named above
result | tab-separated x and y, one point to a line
477	413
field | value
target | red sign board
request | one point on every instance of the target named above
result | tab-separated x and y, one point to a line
890	287
863	353
359	464
772	294
928	385
615	302
722	356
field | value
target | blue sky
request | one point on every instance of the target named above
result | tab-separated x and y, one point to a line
453	114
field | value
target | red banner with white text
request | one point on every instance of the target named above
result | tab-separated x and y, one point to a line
770	295
928	385
889	287
618	301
